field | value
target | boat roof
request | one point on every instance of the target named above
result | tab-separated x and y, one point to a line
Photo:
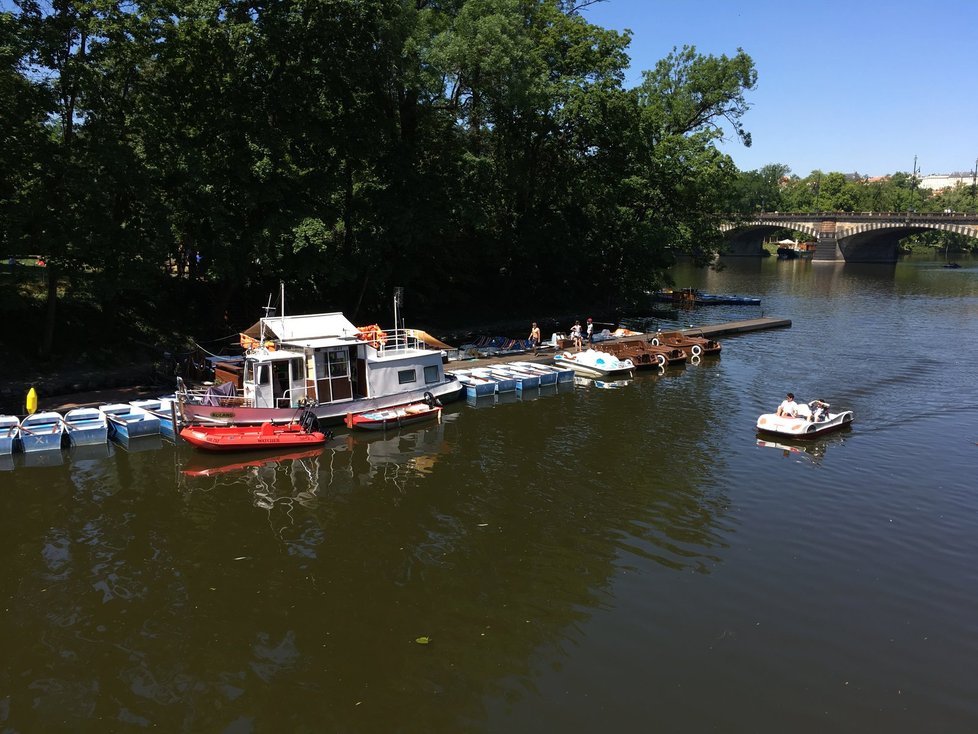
306	328
272	355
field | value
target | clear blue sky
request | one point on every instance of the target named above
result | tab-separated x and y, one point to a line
863	85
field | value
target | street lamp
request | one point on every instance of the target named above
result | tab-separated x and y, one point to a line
913	185
974	187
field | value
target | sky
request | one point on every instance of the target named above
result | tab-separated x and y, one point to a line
859	86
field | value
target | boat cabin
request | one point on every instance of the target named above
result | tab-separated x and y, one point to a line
326	359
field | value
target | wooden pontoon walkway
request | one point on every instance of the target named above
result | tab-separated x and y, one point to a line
710	332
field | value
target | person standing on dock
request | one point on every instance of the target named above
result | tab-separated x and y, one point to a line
590	332
535	337
576	335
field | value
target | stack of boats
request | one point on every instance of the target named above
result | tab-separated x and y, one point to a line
51	431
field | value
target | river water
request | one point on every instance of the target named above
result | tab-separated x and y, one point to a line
589	560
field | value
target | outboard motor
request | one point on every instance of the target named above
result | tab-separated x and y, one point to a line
309	421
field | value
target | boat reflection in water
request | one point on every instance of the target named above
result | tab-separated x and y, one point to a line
395	458
280	482
811	449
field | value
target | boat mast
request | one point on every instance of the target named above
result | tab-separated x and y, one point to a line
398	298
281	284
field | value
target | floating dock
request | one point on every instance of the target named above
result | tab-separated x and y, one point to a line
736	327
727	328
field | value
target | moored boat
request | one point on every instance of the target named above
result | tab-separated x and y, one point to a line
396	417
163	409
813	419
593	363
324	362
525	379
86	427
548	375
248	438
697	346
41	432
127	421
9	433
505	382
476	386
693	297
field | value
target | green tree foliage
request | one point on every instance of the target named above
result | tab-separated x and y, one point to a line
483	154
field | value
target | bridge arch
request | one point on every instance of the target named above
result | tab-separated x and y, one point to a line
849	236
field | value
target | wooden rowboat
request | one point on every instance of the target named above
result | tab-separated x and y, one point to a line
402	415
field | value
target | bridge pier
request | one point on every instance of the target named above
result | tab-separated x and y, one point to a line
826	243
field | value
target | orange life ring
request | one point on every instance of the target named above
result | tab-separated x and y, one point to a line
373	335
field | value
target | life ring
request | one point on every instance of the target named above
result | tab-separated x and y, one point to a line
654	341
373	335
697	350
661	359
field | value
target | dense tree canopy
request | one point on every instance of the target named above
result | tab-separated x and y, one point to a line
484	154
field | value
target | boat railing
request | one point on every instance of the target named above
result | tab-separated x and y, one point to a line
401	340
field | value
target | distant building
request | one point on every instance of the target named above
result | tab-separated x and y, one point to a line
940	181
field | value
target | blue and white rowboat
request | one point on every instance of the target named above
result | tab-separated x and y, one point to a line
86	427
127	421
42	432
505	382
476	386
162	408
547	376
9	433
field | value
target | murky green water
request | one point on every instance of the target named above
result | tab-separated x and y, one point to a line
588	560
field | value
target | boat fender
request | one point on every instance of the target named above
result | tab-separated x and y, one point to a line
697	350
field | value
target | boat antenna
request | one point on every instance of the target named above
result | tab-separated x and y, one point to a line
268	309
398	300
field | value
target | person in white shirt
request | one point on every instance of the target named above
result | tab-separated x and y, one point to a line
788	407
575	333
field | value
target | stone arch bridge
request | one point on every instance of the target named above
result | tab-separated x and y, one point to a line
848	236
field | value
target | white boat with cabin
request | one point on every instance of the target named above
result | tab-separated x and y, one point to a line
324	362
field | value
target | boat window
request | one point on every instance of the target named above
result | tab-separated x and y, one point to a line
339	363
297	371
406	376
431	374
261	374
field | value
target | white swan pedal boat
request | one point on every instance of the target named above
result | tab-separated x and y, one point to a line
813	419
592	363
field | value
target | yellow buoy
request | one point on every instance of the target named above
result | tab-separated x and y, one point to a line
31	401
